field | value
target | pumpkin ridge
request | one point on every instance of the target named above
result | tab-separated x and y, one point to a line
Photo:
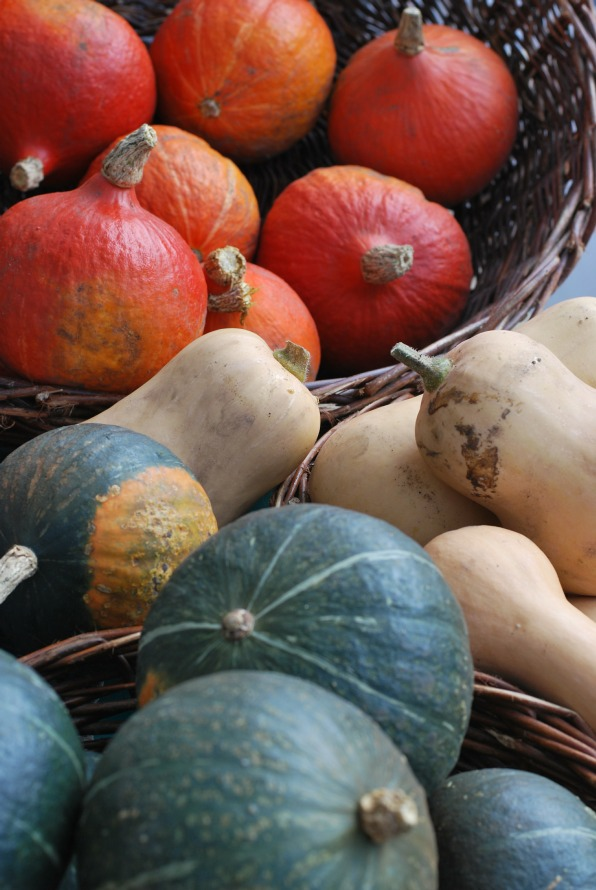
181	626
327	666
49	850
370	556
46	730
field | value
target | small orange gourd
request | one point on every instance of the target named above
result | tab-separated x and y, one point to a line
198	191
248	296
249	76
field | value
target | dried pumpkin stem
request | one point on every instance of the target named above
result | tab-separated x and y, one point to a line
295	359
225	266
237	624
385	813
433	369
237	299
124	165
409	39
386	262
17	564
27	174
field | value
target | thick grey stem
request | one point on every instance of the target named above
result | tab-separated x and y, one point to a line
26	174
433	369
17	564
124	165
385	813
386	262
409	39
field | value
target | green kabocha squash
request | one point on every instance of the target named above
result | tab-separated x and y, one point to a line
42	777
93	518
254	780
506	829
331	595
70	881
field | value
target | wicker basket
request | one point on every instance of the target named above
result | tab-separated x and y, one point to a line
527	231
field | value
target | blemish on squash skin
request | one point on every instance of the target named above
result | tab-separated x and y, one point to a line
482	462
445	395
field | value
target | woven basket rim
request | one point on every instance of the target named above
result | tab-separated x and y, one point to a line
94	674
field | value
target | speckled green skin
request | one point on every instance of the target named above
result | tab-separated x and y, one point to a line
41	780
506	829
339	598
248	780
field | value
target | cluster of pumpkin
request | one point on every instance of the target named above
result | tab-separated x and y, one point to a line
349	259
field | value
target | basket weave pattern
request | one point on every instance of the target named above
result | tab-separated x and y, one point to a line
527	231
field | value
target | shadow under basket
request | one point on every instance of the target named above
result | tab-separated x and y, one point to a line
527	231
94	674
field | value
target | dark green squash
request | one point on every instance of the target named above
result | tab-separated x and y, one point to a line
42	778
70	881
506	829
100	515
331	595
254	780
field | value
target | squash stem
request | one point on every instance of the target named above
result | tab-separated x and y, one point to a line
17	564
237	624
124	165
433	369
385	813
27	174
386	262
295	359
409	39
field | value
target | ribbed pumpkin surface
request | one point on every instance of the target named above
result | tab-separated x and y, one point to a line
42	776
337	597
249	780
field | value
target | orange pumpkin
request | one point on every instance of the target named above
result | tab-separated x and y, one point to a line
198	191
74	76
96	292
442	105
244	295
373	260
249	76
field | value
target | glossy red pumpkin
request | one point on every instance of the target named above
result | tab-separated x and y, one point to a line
373	260
97	292
442	105
74	76
198	191
245	295
249	76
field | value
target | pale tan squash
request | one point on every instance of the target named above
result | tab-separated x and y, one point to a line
586	604
569	330
521	626
507	424
371	463
231	411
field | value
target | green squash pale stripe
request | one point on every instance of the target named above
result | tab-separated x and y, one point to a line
49	850
46	729
330	669
180	627
336	568
275	559
175	871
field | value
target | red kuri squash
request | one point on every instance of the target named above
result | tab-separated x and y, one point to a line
441	104
249	76
74	76
373	260
95	291
198	191
245	295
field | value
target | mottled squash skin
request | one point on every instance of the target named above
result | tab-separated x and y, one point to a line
42	778
337	597
252	780
500	829
109	513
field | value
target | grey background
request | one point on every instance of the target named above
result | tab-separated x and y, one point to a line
581	282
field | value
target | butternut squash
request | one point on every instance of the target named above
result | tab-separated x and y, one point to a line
586	604
569	330
520	624
230	409
506	423
371	463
